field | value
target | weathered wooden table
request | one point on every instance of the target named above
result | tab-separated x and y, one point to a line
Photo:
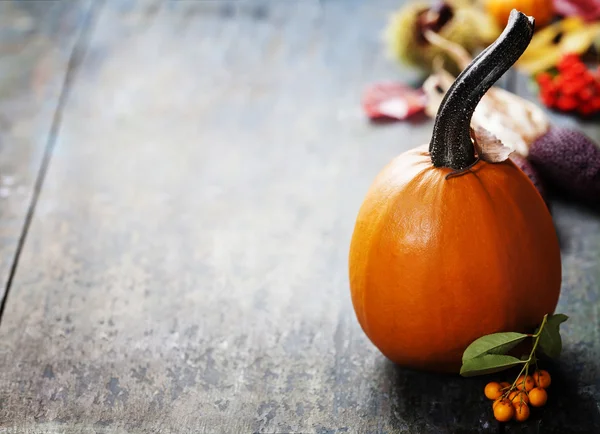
178	186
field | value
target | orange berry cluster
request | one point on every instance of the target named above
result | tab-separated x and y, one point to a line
513	401
574	89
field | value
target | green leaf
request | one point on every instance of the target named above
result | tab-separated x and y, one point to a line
497	343
550	340
556	320
488	364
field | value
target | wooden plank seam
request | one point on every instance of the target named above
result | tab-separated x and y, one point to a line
77	54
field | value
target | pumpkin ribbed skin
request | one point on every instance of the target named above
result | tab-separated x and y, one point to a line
436	263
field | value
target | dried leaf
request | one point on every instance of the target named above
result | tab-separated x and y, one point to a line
543	52
489	147
392	100
588	10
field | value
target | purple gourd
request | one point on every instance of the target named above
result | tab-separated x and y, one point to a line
524	164
570	161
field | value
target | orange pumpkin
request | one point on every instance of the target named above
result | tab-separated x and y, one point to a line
541	10
437	261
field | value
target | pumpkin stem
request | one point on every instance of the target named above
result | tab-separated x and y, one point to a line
451	144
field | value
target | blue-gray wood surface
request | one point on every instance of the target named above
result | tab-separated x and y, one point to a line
178	187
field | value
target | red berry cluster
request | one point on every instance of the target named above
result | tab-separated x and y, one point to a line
574	89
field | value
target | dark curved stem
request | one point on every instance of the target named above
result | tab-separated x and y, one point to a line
451	144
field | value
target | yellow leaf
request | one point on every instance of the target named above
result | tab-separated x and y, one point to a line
545	59
580	40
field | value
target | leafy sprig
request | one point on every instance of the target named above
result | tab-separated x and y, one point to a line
489	353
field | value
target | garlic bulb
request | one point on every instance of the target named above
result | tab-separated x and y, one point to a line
515	121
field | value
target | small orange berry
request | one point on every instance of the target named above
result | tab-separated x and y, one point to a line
521	412
496	402
492	390
542	379
518	396
505	385
504	411
525	383
538	397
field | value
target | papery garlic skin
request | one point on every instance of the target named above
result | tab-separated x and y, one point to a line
515	121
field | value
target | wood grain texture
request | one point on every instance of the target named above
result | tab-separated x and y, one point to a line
186	267
36	41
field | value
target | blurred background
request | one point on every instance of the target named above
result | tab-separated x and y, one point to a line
179	182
